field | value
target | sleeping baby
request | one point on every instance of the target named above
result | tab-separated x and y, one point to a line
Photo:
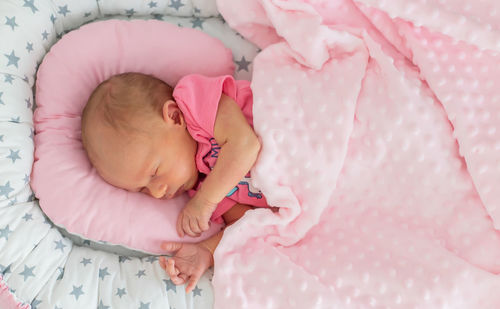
143	136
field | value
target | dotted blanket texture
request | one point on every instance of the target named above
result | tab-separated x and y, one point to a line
379	122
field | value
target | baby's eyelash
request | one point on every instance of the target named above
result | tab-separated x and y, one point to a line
156	172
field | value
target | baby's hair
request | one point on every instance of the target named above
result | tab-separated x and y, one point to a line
126	97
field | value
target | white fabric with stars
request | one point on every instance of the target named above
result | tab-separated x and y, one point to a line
40	265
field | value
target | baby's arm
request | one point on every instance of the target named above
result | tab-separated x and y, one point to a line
190	261
239	150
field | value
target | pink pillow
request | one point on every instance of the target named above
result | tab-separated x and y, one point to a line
70	191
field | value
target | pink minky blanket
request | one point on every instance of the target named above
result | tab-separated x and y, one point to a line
380	129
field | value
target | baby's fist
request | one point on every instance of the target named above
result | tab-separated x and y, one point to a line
188	263
195	217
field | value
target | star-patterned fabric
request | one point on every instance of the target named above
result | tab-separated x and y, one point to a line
42	265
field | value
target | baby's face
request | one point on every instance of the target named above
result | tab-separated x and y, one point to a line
160	163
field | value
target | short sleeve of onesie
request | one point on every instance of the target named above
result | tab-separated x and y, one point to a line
198	98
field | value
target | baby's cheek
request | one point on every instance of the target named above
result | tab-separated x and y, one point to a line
186	170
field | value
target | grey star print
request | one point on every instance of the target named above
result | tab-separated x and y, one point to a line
8	78
141	273
243	64
130	12
30	4
144	306
11	22
27	272
122	259
86	261
61	273
60	245
13	59
63	10
14	155
120	292
101	305
197	22
103	272
31	198
6	189
4	233
197	291
170	285
4	270
77	291
176	4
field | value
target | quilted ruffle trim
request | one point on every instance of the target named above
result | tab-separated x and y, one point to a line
8	300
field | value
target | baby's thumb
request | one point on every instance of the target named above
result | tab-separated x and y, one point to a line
180	230
171	247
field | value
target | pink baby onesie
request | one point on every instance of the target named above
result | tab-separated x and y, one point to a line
198	98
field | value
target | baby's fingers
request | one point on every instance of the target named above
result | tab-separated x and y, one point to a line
163	263
171	269
192	281
171	247
183	277
180	221
193	223
186	226
173	272
204	225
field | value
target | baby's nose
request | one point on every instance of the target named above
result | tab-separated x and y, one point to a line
158	191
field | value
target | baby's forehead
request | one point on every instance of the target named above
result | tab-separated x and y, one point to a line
119	143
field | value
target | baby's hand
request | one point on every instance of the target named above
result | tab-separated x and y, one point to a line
195	217
188	264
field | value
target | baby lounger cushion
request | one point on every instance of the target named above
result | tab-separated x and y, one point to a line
70	191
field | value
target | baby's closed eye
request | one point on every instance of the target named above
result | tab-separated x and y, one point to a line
155	173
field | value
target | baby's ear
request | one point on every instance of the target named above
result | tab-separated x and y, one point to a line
172	113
